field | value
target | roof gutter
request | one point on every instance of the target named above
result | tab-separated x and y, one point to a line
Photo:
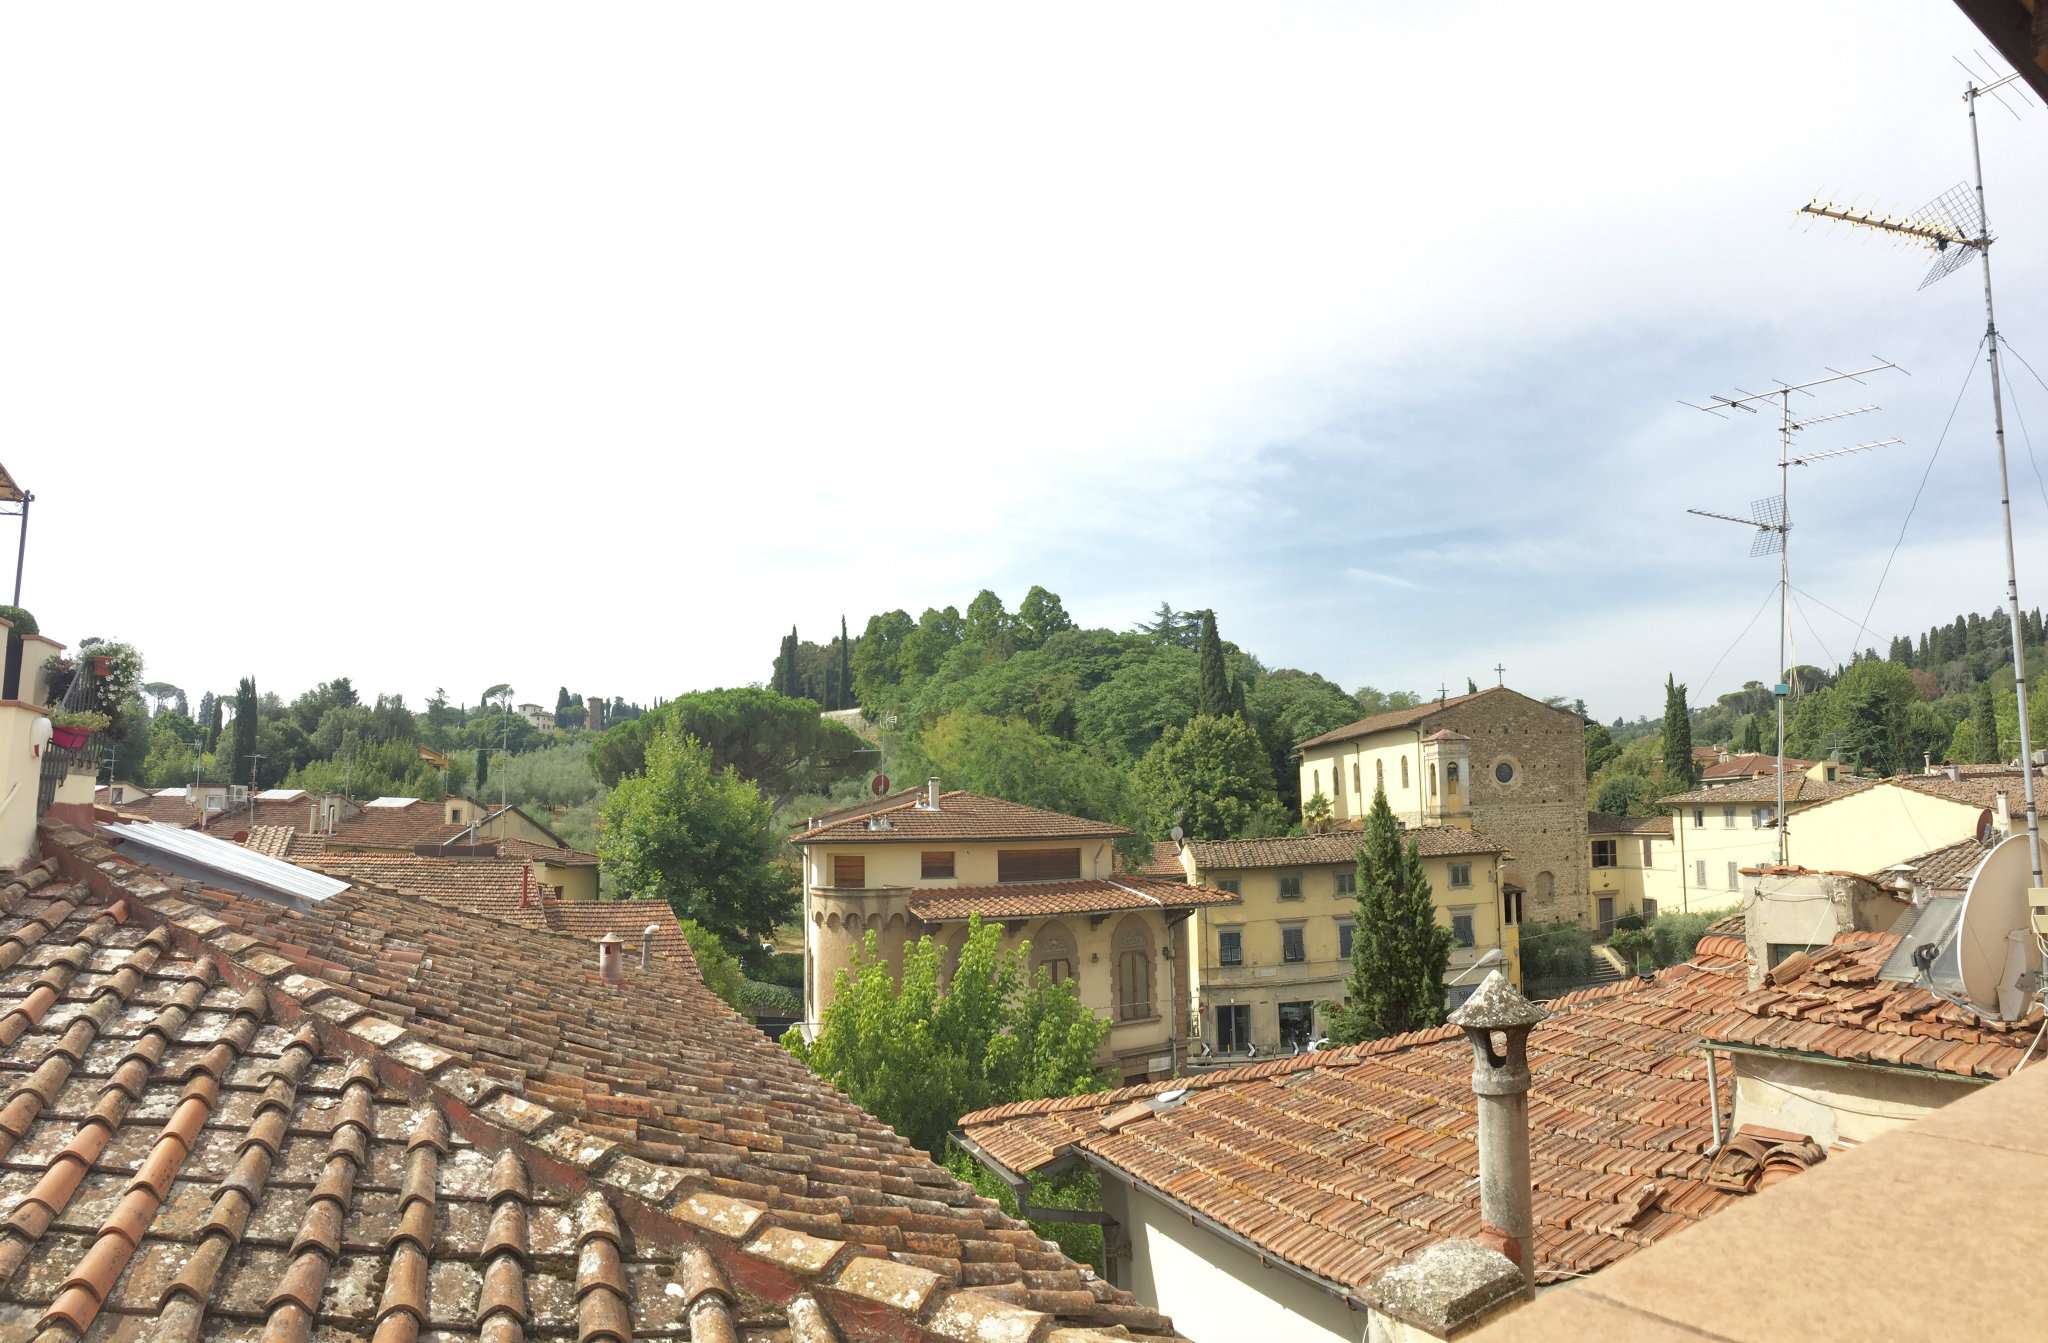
1828	1060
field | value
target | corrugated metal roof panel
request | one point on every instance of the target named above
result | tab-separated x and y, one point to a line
227	858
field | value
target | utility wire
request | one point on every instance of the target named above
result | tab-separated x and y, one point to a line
2021	415
1709	677
1816	634
1932	458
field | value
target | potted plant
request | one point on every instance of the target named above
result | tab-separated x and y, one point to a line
72	728
116	664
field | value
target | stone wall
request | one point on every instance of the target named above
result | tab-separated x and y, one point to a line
1541	813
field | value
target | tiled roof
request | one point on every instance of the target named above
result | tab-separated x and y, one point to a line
237	818
560	856
1949	868
489	886
1743	766
1798	788
1165	860
233	1120
961	816
1432	841
173	810
391	827
1085	895
1344	1161
1832	1002
274	841
1977	787
1393	718
1606	823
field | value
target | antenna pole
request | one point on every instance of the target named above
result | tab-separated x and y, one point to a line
1779	690
2012	581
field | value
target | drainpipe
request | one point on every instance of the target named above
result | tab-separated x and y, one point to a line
1714	1099
1496	1020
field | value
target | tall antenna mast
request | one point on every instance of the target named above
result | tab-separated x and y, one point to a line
1772	519
1956	226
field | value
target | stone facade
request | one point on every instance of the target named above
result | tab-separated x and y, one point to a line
1541	813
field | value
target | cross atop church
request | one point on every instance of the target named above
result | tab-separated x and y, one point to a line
1500	674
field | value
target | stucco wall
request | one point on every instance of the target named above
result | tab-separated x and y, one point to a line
1710	839
1830	1102
1632	880
1870	830
1213	1288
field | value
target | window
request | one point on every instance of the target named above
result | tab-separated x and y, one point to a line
1053	952
1456	994
1290	885
1297	1025
455	815
1461	874
1649	854
1734	877
1233	1028
213	801
1037	864
1699	818
1511	907
849	871
1230	946
1404	771
1432	780
1379	775
1451	774
1133	970
1293	946
1344	932
1699	872
1762	817
936	864
1603	853
1354	777
1347	881
1337	783
1649	908
1461	926
1315	777
1504	771
1728	818
1228	884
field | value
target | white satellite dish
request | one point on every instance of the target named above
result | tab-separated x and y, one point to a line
1992	947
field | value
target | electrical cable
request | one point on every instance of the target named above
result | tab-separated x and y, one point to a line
1816	633
1932	458
2021	416
1708	678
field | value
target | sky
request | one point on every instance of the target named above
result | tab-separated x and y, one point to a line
443	346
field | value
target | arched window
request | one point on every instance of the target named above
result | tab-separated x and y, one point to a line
1053	952
1404	771
1545	886
1133	950
1432	780
1354	778
1379	775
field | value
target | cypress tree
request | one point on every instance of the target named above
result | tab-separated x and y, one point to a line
212	713
1398	951
1471	686
1984	720
1678	768
1752	734
845	667
483	771
243	765
1214	698
1237	703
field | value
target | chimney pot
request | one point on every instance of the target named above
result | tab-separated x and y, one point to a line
1497	1020
647	946
931	794
611	965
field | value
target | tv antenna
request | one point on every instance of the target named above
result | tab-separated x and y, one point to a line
1772	518
1957	227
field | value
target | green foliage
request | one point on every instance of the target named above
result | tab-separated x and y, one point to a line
1134	706
759	998
246	734
921	1056
1673	936
1290	706
878	657
988	623
700	837
85	720
779	743
1079	1188
1040	616
1983	726
1168	627
1556	953
1600	748
721	972
1210	778
1315	813
20	622
1398	951
1626	795
1873	715
1752	734
550	778
1008	758
1371	701
1212	699
1679	773
1635	946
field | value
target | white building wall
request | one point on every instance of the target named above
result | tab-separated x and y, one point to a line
1212	1287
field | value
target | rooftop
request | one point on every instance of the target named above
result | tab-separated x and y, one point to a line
1383	722
1751	763
395	1117
1432	841
1342	1162
1607	823
1085	895
1798	788
960	816
1949	868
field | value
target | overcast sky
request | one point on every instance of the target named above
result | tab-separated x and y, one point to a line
596	345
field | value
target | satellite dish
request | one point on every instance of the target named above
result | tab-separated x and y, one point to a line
1986	828
880	785
1992	946
1176	832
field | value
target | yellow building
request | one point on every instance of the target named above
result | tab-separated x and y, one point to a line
1512	766
1720	831
1634	865
926	862
1269	966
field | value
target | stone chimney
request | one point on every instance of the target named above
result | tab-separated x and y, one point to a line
647	946
2001	815
931	794
1496	1020
611	959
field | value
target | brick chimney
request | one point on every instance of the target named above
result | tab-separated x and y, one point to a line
1496	1020
611	959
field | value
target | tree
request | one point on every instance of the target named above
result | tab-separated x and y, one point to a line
1398	951
1623	795
919	1056
1679	773
1214	699
483	768
1315	813
1471	686
701	838
1984	727
720	971
1962	744
1752	735
878	657
1211	779
1291	706
1010	759
1600	748
987	622
777	742
210	716
1373	701
844	699
245	748
1040	616
1182	629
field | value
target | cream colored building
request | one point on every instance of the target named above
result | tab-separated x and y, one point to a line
1511	766
1720	831
1634	865
1269	967
927	862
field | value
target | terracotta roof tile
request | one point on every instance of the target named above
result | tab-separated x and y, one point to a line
1753	763
1382	722
1085	895
1341	1162
1949	868
496	1145
960	816
1606	823
1433	841
1798	788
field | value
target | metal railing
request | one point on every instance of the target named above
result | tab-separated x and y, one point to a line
85	692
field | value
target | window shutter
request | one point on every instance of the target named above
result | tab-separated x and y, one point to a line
1038	864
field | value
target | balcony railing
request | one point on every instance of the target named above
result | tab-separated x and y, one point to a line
85	692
